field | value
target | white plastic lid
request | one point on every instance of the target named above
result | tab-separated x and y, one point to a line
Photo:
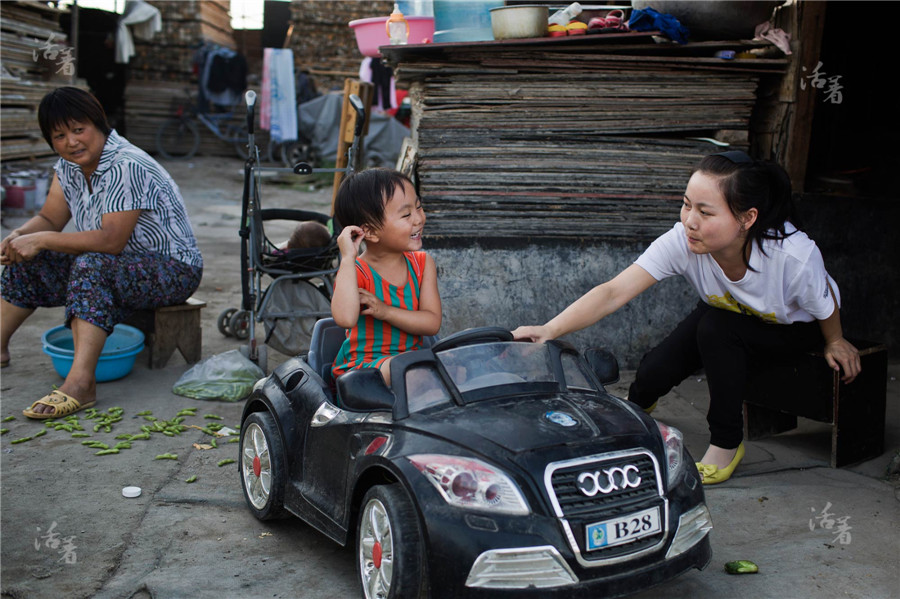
131	492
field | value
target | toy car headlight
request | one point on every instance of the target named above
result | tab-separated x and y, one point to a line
471	483
674	444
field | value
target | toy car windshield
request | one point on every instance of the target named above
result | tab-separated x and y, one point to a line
493	369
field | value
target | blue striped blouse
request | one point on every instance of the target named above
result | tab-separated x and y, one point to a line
127	178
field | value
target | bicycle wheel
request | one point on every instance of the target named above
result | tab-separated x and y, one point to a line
273	151
293	152
240	137
177	138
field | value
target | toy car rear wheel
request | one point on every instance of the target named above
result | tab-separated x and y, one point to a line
389	545
262	466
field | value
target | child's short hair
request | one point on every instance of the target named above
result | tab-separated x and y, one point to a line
362	196
309	234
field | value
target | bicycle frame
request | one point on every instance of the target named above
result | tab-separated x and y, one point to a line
179	136
212	120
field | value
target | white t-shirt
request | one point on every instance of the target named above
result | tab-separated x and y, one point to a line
790	283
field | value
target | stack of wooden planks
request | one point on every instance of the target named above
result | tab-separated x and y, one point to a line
27	31
169	55
148	110
148	104
34	51
323	43
162	77
568	141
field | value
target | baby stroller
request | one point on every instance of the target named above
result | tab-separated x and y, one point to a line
301	284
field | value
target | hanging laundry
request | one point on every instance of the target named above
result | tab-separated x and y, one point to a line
278	103
381	77
143	19
224	76
306	88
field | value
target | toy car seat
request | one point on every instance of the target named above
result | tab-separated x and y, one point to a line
324	346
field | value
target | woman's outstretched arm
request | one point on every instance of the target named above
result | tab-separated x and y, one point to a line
596	304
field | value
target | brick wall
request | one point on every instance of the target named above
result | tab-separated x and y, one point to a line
323	42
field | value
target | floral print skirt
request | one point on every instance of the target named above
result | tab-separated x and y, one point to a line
102	289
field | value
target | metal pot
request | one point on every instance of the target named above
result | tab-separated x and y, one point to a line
518	22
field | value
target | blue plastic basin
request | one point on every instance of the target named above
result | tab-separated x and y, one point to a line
116	360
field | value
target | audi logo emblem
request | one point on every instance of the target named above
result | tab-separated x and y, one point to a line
609	480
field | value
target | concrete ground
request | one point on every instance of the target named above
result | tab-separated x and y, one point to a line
67	530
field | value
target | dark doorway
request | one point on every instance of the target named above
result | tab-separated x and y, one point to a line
96	61
852	150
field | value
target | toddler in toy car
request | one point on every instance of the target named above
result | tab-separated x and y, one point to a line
386	295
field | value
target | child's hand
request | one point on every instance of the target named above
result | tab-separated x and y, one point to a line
841	354
371	305
349	241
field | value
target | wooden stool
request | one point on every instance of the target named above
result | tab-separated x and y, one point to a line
169	328
807	387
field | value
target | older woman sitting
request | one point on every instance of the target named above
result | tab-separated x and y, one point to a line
133	247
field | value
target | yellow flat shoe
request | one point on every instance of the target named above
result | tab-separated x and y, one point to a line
710	474
62	404
651	407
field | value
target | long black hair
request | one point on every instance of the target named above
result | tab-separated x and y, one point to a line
66	104
748	183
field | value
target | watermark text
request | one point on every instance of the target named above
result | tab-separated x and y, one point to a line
50	539
826	520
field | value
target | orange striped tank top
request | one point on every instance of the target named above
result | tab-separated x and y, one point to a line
373	341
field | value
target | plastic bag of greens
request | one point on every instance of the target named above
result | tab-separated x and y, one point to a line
229	376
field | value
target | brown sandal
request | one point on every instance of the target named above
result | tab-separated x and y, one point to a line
62	404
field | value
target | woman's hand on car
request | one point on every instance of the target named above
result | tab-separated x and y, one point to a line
537	334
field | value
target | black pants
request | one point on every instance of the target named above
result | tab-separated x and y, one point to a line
724	344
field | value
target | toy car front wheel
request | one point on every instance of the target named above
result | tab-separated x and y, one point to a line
389	545
262	466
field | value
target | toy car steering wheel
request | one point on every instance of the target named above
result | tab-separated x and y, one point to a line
473	336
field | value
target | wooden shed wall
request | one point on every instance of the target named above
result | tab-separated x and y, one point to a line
32	44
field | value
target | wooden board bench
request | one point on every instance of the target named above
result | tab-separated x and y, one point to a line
808	388
170	328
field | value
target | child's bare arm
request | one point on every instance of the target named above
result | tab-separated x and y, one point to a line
424	321
345	299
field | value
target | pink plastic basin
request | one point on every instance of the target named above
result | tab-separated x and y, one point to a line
371	33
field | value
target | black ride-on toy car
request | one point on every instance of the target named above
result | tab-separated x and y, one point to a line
489	468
